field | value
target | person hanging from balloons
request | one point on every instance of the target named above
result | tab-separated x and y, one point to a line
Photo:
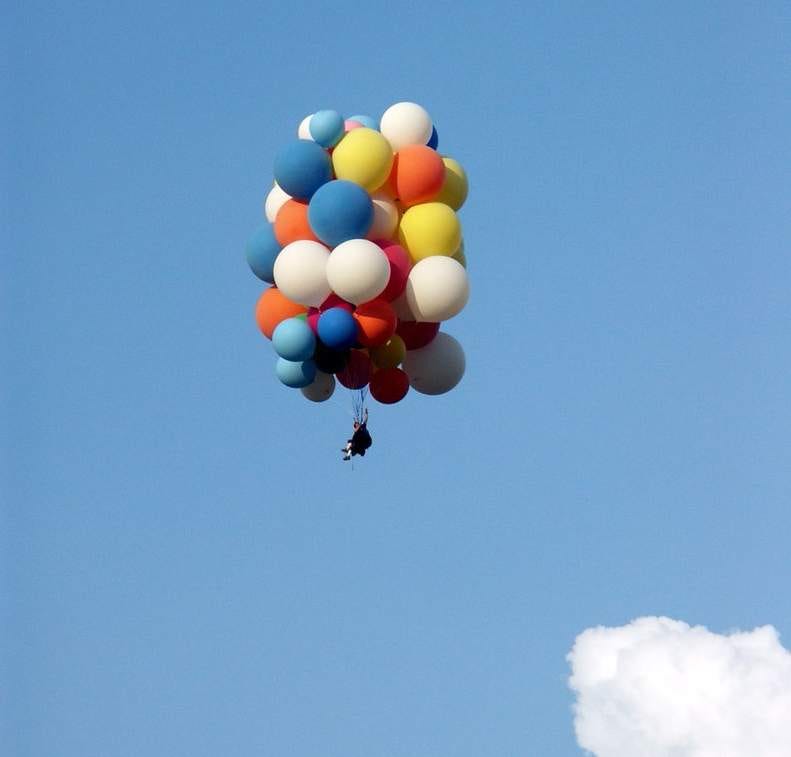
361	439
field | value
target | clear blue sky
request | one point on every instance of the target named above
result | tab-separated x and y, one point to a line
188	567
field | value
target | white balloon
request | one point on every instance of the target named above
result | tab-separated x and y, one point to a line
401	308
321	389
303	132
386	217
437	367
275	200
437	288
301	272
406	124
358	270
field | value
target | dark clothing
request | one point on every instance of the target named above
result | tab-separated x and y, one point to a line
361	440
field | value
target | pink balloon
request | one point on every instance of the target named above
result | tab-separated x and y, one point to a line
348	124
400	265
313	319
333	301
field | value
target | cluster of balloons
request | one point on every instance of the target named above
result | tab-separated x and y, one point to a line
364	252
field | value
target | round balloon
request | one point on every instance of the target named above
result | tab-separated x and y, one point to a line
376	322
321	389
340	210
357	270
291	223
366	121
431	228
326	127
303	132
386	217
433	142
301	272
295	374
274	201
389	385
333	301
437	288
293	339
363	156
337	328
436	368
417	334
454	184
417	174
357	372
262	250
301	168
272	308
390	354
406	123
329	360
399	269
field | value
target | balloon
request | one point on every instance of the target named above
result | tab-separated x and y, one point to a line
406	123
437	288
348	125
329	360
401	307
390	354
272	308
366	121
340	210
429	229
274	201
333	301
417	174
386	217
312	319
326	127
357	372
357	270
460	255
295	374
417	334
363	156
436	368
337	328
454	185
262	250
301	272
301	168
291	223
433	141
399	269
376	322
303	132
389	385
293	340
321	389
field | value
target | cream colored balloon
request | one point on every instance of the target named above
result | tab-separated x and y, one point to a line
303	132
321	389
357	270
406	124
437	367
437	288
275	200
301	272
386	217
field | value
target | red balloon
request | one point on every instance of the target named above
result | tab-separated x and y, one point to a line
417	334
400	264
357	372
313	319
389	385
376	322
333	301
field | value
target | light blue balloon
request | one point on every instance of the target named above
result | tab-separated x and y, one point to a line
301	167
295	374
262	250
294	340
326	127
367	121
340	210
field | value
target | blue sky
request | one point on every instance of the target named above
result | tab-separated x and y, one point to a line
190	569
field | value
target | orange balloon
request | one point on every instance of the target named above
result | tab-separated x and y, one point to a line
376	322
291	223
417	175
273	307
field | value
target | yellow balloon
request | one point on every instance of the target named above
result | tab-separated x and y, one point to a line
454	188
390	354
459	255
430	228
363	156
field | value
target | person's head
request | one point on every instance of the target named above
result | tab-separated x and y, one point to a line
356	425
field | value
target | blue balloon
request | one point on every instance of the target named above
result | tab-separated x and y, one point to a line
367	121
295	374
337	328
340	210
433	139
262	249
294	340
326	127
301	167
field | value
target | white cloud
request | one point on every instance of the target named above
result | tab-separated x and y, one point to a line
660	688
